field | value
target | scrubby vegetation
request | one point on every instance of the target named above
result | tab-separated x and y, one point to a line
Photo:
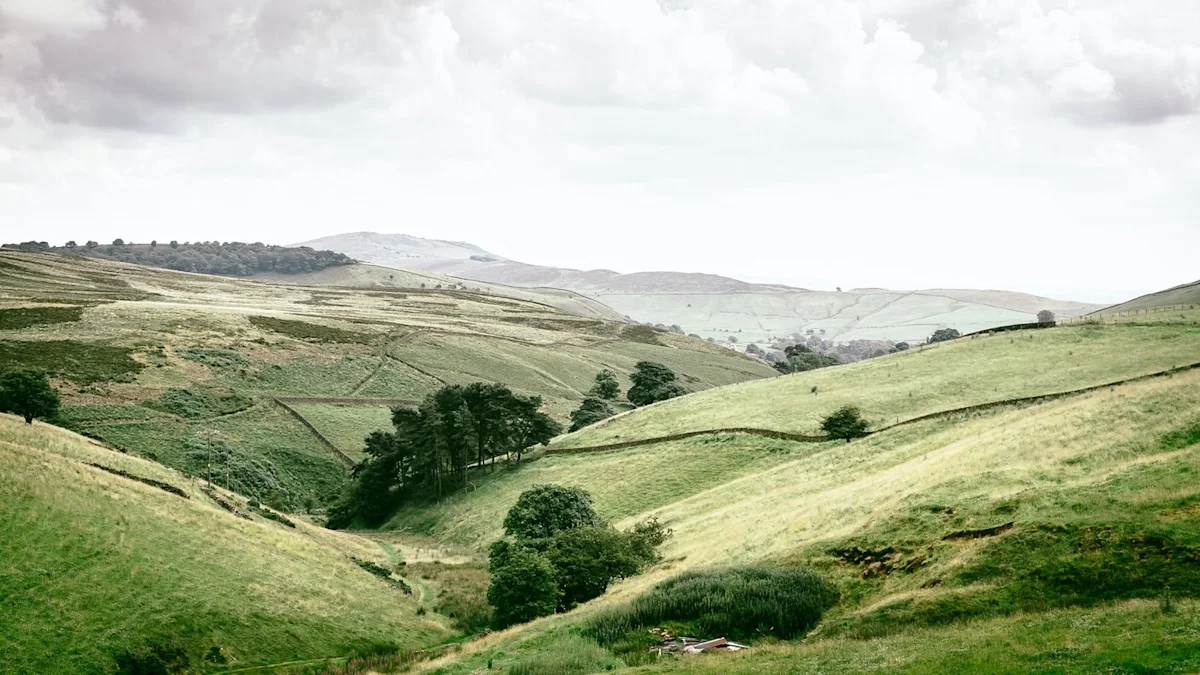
306	330
79	362
214	357
737	602
590	411
799	358
230	258
26	317
195	405
943	335
845	423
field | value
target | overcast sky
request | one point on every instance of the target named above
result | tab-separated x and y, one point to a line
1050	146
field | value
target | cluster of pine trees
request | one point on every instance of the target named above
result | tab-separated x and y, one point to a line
208	257
432	447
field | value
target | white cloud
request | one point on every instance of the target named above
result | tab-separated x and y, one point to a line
729	131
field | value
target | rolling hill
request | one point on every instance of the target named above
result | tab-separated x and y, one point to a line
108	556
1015	521
719	307
282	381
1184	294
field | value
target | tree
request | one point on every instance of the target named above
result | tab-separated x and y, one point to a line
27	393
587	559
799	359
943	335
118	242
845	423
71	244
607	386
173	244
544	510
91	244
902	346
652	382
153	243
1045	316
592	410
524	584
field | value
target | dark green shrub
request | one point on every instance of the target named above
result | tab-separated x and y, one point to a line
845	423
524	585
737	602
543	510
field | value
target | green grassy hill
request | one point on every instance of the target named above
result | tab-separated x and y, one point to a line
1184	294
97	565
1051	536
168	365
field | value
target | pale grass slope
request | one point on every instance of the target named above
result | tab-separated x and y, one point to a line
94	564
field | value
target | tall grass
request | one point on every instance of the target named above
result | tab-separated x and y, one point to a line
566	655
737	602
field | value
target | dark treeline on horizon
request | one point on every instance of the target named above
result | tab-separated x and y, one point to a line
208	257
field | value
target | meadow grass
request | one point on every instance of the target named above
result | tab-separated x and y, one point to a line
345	425
96	564
622	484
909	384
1131	637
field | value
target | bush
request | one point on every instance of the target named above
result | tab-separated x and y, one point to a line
737	602
524	585
845	423
943	335
544	510
1045	316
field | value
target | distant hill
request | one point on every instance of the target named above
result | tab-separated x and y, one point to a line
718	307
1184	294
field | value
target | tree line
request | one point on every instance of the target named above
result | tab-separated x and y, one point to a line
208	257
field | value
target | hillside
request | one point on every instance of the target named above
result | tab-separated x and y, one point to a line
281	381
99	566
719	307
1184	294
980	540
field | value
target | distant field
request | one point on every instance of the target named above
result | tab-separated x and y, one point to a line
121	340
950	375
96	565
1184	294
346	426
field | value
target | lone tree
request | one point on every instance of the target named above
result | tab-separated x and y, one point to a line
592	410
1045	316
943	334
524	584
27	393
652	382
607	386
846	423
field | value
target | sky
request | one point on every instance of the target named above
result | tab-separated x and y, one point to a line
1045	146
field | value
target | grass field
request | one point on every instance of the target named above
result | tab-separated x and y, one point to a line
96	565
965	372
346	425
121	340
1053	537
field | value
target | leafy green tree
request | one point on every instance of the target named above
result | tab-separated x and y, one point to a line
845	423
587	559
27	393
118	242
71	244
607	386
91	244
799	359
544	510
590	411
943	335
1045	316
524	584
652	382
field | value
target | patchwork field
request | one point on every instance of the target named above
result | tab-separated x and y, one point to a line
183	368
99	568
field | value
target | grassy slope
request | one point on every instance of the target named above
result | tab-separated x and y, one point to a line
346	426
1101	490
95	564
141	332
909	384
1184	294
